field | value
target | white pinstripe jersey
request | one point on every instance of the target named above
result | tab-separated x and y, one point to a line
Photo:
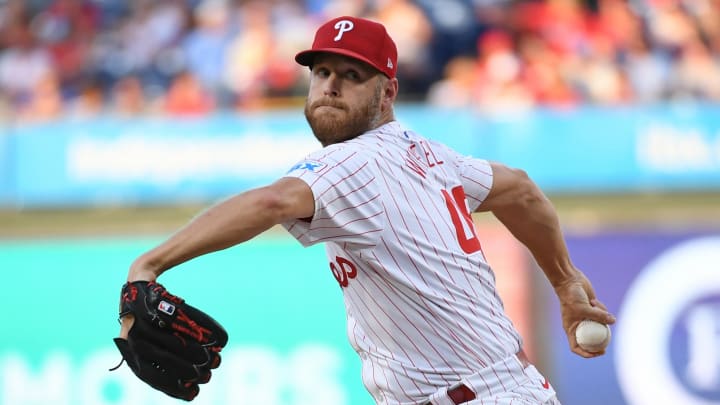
422	309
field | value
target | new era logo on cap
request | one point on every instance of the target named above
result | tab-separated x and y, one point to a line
357	38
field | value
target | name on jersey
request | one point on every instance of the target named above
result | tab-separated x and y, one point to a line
310	165
420	157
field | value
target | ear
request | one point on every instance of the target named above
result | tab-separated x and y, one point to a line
390	92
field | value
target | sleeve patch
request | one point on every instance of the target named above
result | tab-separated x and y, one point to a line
310	165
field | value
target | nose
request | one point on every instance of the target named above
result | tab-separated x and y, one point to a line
332	86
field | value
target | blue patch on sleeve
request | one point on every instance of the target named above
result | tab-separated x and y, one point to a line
311	165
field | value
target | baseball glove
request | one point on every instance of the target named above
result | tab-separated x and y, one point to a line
171	345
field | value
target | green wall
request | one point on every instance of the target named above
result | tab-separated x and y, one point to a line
281	306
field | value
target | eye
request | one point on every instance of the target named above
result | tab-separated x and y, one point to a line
321	72
352	75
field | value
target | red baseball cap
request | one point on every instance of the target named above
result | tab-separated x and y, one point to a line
357	38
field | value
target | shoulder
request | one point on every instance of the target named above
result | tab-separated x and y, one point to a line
356	152
333	158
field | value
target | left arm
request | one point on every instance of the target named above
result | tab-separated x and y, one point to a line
226	224
223	225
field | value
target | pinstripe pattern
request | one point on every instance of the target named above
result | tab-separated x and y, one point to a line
525	387
421	312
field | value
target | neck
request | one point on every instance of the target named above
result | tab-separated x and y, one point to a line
384	118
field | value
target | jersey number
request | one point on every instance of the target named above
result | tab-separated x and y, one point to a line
464	227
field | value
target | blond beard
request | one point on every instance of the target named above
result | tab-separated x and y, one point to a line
359	120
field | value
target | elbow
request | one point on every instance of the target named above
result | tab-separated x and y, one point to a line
278	204
286	199
517	193
271	204
528	192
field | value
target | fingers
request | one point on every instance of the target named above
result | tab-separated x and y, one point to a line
581	303
578	303
600	313
126	323
586	354
596	303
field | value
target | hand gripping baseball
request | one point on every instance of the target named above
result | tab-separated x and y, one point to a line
167	343
578	303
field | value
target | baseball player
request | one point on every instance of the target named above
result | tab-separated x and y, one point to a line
393	209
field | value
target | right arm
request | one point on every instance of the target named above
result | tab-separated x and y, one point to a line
528	214
226	224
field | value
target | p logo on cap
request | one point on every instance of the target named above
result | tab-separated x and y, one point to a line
357	38
343	26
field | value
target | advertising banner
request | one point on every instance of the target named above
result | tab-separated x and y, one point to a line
664	288
109	161
282	308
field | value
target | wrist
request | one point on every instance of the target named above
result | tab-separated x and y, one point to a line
559	272
564	281
144	269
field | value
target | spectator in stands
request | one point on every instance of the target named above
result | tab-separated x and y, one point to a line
696	75
127	98
63	16
647	71
248	53
707	15
45	101
412	32
559	53
205	44
291	30
545	72
187	97
499	89
342	7
670	26
70	49
455	89
599	76
12	13
24	64
89	102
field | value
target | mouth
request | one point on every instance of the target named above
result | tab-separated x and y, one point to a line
324	109
335	104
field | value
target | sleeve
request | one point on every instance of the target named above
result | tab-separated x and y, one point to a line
348	206
475	175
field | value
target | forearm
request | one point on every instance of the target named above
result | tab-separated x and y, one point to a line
532	219
540	231
223	225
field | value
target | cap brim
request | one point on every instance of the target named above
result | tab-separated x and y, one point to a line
307	58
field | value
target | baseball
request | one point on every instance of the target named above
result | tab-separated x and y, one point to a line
592	336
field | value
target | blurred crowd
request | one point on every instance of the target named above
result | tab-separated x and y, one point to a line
81	58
